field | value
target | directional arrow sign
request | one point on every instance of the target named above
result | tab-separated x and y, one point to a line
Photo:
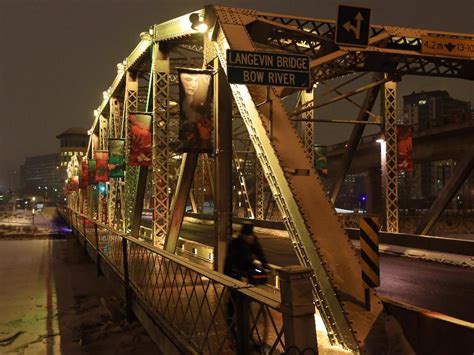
348	26
353	25
453	47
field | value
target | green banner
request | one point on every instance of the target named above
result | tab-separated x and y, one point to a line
116	158
320	159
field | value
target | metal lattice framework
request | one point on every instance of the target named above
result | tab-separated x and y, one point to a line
315	231
131	173
259	191
308	127
161	83
391	175
114	212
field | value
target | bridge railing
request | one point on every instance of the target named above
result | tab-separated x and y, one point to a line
192	303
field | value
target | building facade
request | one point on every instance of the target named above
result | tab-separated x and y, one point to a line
44	175
72	141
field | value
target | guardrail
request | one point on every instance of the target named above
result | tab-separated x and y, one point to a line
190	304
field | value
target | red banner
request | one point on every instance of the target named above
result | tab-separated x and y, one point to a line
405	148
84	174
101	166
74	183
140	140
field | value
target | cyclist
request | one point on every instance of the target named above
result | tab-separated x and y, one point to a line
244	254
244	261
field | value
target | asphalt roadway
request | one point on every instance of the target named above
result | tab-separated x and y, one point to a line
437	287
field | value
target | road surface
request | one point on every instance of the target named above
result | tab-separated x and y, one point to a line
437	287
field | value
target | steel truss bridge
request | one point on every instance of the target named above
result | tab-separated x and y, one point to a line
257	129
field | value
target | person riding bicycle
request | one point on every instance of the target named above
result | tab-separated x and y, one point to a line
244	254
244	261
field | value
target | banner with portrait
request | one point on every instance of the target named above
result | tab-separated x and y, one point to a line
140	140
320	159
91	172
116	158
84	174
405	148
101	165
195	114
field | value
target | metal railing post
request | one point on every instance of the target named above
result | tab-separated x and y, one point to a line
126	277
242	313
298	310
77	225
85	234
98	257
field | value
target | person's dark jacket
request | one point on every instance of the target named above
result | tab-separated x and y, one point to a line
240	256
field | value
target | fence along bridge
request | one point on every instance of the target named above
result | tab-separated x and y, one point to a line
253	121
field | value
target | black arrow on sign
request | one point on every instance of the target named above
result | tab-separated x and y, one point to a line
449	46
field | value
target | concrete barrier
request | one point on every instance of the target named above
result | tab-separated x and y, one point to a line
432	333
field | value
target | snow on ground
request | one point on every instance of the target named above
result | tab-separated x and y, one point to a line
52	302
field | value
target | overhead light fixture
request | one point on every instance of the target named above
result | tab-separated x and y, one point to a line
197	24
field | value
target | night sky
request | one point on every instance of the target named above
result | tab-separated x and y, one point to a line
59	55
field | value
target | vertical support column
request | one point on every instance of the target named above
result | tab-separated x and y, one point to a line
223	161
308	127
298	310
161	69
131	173
259	190
103	145
115	131
390	177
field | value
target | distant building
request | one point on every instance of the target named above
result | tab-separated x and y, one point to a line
71	141
42	173
430	109
427	110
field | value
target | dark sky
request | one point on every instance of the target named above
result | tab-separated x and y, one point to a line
59	55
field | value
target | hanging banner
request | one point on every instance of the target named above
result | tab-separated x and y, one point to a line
405	148
74	184
101	165
140	140
91	172
195	118
320	159
116	158
84	174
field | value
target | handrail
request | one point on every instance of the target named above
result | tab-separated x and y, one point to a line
158	279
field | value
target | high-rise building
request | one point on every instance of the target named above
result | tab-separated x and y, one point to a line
427	110
430	109
44	175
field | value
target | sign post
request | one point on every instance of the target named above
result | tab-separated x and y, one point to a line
270	69
369	254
